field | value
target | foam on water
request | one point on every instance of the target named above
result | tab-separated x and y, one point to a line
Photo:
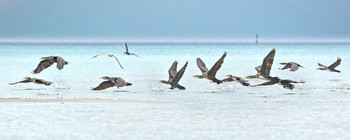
317	109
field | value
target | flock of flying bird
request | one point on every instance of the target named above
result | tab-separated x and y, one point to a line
263	72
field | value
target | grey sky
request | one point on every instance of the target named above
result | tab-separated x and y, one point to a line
174	20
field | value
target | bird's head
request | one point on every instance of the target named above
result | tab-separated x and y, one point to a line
105	78
27	78
44	58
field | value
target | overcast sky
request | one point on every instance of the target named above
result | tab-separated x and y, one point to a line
174	20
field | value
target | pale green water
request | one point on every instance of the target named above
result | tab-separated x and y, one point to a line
318	109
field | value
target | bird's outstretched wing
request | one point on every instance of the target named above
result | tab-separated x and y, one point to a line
98	55
201	66
285	67
118	61
322	65
258	69
290	81
60	63
104	85
24	81
42	65
335	64
126	47
217	65
267	63
267	83
180	73
173	70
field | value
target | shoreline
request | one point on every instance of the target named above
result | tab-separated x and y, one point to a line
81	100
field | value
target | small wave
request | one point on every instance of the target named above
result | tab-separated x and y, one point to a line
121	91
30	89
59	84
157	87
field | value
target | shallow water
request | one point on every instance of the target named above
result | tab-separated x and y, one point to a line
317	109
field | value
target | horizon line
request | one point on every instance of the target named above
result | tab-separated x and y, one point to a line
174	40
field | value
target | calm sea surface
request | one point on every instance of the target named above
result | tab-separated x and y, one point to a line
317	109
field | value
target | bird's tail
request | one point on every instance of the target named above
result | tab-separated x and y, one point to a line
48	83
128	84
246	84
66	62
13	83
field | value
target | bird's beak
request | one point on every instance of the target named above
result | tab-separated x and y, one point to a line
228	76
195	76
26	78
161	81
103	78
318	69
281	63
42	58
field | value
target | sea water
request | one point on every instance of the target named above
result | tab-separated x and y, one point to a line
318	108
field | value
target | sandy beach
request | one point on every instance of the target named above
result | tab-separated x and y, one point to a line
86	100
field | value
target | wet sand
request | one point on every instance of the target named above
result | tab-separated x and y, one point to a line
82	100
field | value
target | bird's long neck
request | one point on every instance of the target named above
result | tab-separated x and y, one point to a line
199	76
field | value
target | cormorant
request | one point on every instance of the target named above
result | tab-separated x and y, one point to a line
330	68
34	80
48	61
111	82
174	76
210	74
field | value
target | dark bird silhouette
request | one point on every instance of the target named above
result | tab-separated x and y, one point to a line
110	55
34	80
264	72
210	74
174	76
48	61
330	68
236	79
127	51
285	83
292	65
111	82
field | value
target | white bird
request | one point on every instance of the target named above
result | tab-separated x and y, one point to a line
110	55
